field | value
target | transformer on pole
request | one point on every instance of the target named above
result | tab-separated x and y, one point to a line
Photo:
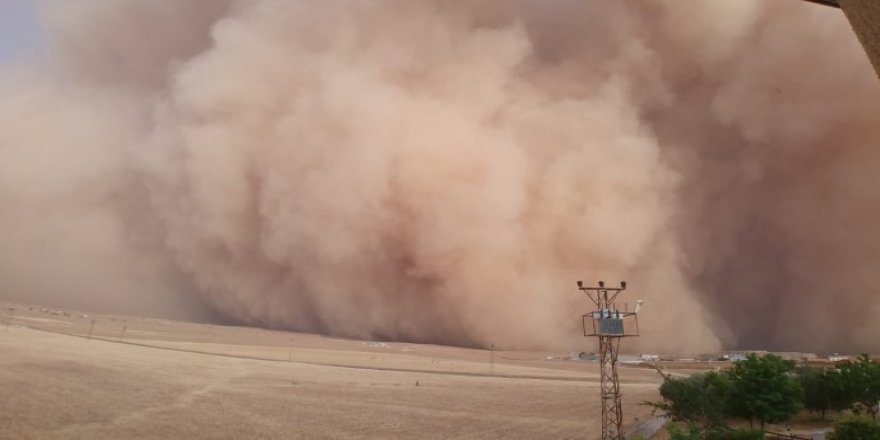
607	323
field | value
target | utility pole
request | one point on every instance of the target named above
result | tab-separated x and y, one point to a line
607	324
9	316
492	360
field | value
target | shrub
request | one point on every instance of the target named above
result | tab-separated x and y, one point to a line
855	428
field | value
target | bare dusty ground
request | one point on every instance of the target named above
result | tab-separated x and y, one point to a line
162	379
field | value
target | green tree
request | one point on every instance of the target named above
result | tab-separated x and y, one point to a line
855	428
862	379
699	400
824	390
764	389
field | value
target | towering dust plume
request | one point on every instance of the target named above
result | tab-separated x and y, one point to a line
444	171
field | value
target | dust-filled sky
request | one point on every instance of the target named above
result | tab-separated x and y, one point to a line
444	172
20	32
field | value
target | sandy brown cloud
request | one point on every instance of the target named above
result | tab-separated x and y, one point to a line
444	172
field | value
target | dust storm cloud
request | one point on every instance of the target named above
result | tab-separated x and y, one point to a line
444	171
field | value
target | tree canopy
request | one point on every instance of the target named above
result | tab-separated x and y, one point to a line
764	389
700	398
861	381
824	389
769	389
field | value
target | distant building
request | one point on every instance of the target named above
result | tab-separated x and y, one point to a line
795	356
629	359
734	357
588	356
837	357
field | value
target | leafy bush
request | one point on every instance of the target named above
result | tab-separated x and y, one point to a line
855	428
699	399
687	431
690	431
736	434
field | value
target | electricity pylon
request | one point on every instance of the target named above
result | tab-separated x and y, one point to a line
607	325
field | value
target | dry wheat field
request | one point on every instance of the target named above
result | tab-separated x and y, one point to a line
139	378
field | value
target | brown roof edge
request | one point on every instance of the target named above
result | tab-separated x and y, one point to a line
864	16
832	3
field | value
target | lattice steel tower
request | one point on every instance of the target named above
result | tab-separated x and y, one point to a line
608	325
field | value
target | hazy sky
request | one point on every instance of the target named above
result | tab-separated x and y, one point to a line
19	30
443	172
